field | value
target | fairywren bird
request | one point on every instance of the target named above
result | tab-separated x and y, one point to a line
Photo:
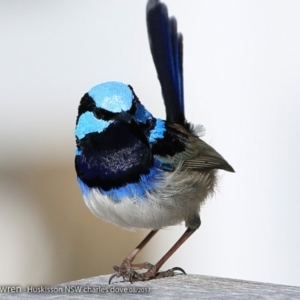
138	171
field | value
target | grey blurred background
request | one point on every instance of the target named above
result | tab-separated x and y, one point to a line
242	75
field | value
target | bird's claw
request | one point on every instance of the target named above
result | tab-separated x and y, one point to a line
152	273
169	273
123	272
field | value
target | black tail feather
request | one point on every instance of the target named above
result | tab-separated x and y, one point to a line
167	51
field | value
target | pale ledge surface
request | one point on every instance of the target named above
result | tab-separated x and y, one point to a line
179	287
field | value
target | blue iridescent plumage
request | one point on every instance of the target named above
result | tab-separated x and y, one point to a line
138	171
112	96
116	155
87	123
167	52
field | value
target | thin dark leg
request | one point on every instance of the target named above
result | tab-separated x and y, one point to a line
131	256
127	267
181	240
126	270
153	271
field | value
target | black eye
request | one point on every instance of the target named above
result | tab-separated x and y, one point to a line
103	114
98	114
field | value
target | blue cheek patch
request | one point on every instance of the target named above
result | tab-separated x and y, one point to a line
142	115
158	131
87	123
112	96
147	183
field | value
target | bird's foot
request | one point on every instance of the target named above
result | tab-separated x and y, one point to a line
169	273
153	273
127	271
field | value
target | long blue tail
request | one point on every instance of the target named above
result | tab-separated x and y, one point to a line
167	52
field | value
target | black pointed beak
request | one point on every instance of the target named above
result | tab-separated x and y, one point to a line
226	166
124	117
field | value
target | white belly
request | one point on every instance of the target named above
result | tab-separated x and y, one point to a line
132	213
177	198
